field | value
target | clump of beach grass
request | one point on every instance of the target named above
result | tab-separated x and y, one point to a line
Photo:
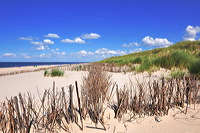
177	73
53	73
194	68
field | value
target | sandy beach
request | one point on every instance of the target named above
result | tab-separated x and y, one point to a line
36	83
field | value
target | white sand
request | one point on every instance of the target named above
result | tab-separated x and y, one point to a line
29	82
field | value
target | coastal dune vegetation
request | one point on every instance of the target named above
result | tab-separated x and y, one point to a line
54	73
183	55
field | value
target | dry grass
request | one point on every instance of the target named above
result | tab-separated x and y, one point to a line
95	92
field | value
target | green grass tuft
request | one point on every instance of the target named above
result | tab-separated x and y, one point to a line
194	68
177	73
54	73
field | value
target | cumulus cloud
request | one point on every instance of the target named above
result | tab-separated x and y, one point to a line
79	40
132	44
99	53
26	38
52	35
60	53
41	48
149	41
25	56
67	41
43	55
45	42
63	53
111	52
191	33
90	36
135	50
37	43
76	40
9	55
84	53
53	50
48	41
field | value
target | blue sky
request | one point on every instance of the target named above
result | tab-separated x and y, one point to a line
92	30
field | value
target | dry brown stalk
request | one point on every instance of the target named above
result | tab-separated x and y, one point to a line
79	105
95	92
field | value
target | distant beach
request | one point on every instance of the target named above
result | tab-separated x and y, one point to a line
20	64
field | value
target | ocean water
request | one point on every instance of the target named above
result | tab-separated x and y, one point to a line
19	64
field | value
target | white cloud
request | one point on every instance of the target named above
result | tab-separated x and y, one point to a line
26	38
104	51
52	35
9	55
76	40
135	50
149	41
53	50
67	41
63	53
45	42
25	56
43	55
85	53
41	48
79	40
59	53
37	43
48	41
90	36
191	33
132	44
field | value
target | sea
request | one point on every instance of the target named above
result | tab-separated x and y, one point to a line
20	64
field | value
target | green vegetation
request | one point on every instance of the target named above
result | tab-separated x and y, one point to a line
53	73
194	67
183	55
177	73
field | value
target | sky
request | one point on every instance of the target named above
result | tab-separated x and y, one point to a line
92	30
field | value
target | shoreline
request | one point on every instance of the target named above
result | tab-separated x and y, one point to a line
24	69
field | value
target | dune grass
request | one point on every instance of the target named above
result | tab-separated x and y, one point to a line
183	55
53	73
194	67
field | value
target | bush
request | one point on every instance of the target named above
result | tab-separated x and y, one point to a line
146	65
57	72
46	73
138	60
54	73
177	73
194	68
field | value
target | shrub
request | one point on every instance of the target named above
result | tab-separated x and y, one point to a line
46	73
54	73
194	68
180	59
57	72
146	65
164	62
138	60
177	73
